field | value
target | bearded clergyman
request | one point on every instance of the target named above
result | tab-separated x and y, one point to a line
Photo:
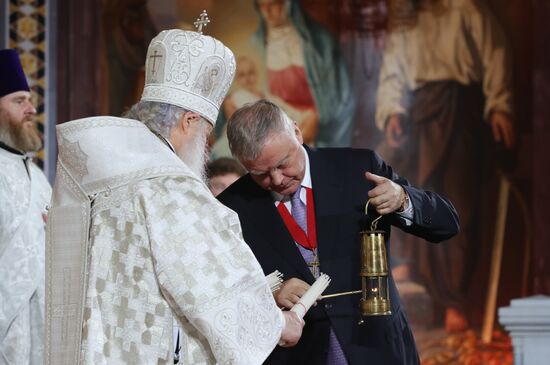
137	243
24	195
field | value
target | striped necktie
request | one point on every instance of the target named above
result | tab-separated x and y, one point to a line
299	213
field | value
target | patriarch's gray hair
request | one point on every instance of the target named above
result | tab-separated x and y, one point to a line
159	117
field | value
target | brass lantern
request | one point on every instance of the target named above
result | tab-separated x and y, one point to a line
375	294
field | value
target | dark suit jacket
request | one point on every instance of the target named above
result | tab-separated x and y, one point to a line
340	192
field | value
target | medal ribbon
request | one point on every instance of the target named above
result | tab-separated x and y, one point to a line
308	241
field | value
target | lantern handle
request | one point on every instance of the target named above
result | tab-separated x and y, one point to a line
374	223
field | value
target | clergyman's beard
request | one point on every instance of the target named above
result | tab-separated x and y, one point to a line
20	136
195	155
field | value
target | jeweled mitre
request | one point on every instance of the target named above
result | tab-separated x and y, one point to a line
190	70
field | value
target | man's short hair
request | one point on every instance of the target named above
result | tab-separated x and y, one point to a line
250	126
224	166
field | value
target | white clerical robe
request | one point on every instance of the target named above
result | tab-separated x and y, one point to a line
24	195
464	43
135	240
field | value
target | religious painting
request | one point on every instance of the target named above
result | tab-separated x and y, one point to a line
426	83
439	102
442	110
127	30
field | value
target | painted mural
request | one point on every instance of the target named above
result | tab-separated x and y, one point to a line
428	84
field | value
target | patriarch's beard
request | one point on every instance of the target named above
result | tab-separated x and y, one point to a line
195	153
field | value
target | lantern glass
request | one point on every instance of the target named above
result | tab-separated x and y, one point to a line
376	287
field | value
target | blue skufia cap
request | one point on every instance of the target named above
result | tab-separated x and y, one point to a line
12	77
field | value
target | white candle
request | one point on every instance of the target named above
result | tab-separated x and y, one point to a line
274	280
310	296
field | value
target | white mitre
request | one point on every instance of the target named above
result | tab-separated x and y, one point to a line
190	70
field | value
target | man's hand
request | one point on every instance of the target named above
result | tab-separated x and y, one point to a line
503	129
386	196
293	329
290	292
395	134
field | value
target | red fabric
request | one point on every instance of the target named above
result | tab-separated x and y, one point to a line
307	240
290	84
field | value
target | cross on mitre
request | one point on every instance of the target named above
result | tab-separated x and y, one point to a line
154	57
202	21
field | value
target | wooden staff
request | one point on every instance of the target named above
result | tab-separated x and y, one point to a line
496	260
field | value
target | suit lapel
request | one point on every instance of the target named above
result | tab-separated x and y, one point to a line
326	190
273	229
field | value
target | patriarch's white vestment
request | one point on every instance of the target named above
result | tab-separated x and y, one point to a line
136	241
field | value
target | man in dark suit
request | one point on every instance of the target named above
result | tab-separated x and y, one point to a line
333	185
